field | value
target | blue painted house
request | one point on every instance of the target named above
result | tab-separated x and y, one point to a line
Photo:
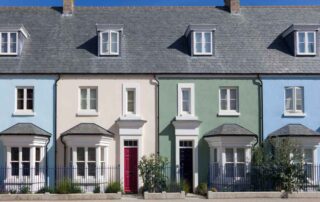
27	131
291	109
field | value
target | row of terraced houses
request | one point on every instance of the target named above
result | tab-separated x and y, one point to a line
90	87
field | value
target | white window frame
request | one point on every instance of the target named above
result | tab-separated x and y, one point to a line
88	111
24	111
228	111
294	100
136	88
203	42
306	43
9	52
181	87
110	32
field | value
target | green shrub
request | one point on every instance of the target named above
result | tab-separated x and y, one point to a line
24	190
213	189
113	187
152	172
45	190
96	189
67	187
185	185
202	189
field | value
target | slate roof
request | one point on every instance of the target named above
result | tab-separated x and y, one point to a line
25	129
88	129
153	40
294	130
230	130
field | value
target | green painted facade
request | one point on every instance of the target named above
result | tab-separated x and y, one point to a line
206	109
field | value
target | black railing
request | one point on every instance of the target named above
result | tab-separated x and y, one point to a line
33	180
243	177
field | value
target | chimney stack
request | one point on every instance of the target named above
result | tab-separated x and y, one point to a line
68	7
233	6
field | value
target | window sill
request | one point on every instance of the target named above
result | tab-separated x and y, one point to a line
24	113
87	113
294	114
186	118
130	117
228	113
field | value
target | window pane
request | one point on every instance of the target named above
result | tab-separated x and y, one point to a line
80	154
240	155
311	37
223	105
208	48
229	170
301	37
289	99
198	37
299	98
15	169
25	169
83	98
80	169
29	93
37	154
30	99
240	170
131	100
229	155
93	98
198	47
311	47
233	94
30	104
91	154
14	154
4	42
92	169
186	100
223	99
13	42
37	169
114	42
207	37
308	156
105	42
25	154
223	94
215	155
233	105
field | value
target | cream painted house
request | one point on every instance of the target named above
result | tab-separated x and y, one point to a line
105	124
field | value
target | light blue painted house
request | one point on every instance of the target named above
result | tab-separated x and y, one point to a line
291	106
27	140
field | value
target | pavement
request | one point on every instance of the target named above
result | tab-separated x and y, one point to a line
130	199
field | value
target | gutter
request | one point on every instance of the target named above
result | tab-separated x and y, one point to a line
55	127
259	83
157	113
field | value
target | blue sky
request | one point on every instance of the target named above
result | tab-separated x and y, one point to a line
154	2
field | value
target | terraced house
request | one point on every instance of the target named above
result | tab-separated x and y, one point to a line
88	91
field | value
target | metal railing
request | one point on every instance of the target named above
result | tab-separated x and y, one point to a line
244	177
33	180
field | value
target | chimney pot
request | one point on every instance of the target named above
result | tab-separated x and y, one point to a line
233	6
68	7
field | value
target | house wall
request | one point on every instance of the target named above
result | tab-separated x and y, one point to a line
109	109
274	102
44	109
206	109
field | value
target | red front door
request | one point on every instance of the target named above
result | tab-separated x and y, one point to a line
130	170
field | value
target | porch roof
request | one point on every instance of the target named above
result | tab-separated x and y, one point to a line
294	130
25	129
88	129
230	129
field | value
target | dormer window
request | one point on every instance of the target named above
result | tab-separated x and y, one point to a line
109	43
8	41
201	39
12	38
109	39
306	43
202	43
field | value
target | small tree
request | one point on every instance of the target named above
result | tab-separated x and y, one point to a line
279	162
152	172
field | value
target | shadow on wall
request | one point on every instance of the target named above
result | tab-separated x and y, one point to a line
168	132
203	160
